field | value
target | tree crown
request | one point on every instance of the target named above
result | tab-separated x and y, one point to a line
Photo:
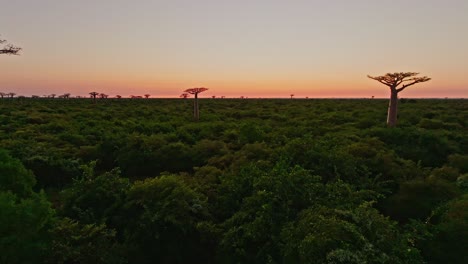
405	79
196	90
9	49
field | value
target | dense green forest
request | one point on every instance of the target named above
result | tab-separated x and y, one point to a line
253	181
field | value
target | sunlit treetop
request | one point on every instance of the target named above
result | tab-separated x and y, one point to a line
393	80
196	90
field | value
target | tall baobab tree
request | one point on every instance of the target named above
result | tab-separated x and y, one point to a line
397	82
292	95
93	95
8	48
147	96
195	92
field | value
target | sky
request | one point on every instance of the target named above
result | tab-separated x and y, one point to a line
252	48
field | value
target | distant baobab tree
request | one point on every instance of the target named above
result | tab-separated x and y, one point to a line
196	91
147	96
52	96
11	95
8	48
2	94
103	95
118	96
66	95
397	82
93	95
213	96
292	95
184	95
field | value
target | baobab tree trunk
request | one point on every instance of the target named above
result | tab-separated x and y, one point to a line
195	108
392	108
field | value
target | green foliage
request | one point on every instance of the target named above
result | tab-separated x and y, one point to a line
160	221
23	227
14	177
73	242
361	235
254	181
94	199
417	199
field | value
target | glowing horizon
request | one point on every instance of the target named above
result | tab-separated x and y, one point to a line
316	49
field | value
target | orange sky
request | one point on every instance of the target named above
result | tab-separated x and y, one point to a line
236	48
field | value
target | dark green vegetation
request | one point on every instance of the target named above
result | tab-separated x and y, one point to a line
254	181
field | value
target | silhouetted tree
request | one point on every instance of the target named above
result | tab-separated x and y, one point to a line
2	94
213	96
103	95
397	82
184	95
8	48
196	91
118	96
11	95
93	95
292	95
52	96
147	96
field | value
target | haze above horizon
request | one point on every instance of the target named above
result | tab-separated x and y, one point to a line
262	48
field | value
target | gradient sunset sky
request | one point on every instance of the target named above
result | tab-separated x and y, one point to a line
254	48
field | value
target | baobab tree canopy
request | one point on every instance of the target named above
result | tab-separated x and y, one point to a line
8	48
196	90
405	79
397	82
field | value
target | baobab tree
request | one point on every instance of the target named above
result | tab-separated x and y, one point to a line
397	82
147	96
195	92
11	95
292	95
103	95
184	95
8	48
118	96
2	94
93	95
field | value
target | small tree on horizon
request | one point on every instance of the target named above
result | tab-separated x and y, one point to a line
147	96
184	95
93	95
397	82
196	91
